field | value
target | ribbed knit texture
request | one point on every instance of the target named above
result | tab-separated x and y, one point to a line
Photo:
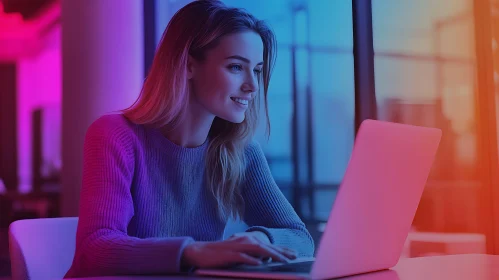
143	199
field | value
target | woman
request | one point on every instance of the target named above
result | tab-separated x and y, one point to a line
161	180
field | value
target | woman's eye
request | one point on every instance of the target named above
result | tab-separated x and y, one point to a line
235	67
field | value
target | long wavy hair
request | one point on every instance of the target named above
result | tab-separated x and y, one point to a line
193	30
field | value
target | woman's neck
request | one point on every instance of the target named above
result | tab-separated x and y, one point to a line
192	131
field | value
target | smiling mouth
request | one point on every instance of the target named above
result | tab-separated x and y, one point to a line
240	101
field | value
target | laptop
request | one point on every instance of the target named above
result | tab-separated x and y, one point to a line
373	210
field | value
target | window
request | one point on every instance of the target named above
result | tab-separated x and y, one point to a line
425	75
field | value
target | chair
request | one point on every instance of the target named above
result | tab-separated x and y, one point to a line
42	248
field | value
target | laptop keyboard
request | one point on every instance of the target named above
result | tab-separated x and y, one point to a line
299	267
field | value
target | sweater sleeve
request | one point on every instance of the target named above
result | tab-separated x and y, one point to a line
106	208
267	209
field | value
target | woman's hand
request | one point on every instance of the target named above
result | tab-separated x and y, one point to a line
256	234
244	248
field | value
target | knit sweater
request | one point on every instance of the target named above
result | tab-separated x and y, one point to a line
143	199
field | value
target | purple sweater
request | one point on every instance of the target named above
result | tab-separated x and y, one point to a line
143	200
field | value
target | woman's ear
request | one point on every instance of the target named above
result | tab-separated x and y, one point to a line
191	62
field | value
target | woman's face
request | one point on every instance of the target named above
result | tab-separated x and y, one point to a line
226	82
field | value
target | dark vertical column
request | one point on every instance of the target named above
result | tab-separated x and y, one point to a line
310	125
149	34
363	51
37	151
8	126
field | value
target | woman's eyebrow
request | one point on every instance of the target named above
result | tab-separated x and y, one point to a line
241	58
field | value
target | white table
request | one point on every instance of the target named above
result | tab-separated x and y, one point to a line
455	267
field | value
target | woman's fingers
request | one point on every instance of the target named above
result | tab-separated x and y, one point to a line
289	253
228	259
242	258
277	253
243	250
261	250
222	256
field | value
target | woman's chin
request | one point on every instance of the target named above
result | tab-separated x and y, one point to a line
234	118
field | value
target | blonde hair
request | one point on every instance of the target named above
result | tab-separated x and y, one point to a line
193	30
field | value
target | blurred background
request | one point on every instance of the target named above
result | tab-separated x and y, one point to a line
431	63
